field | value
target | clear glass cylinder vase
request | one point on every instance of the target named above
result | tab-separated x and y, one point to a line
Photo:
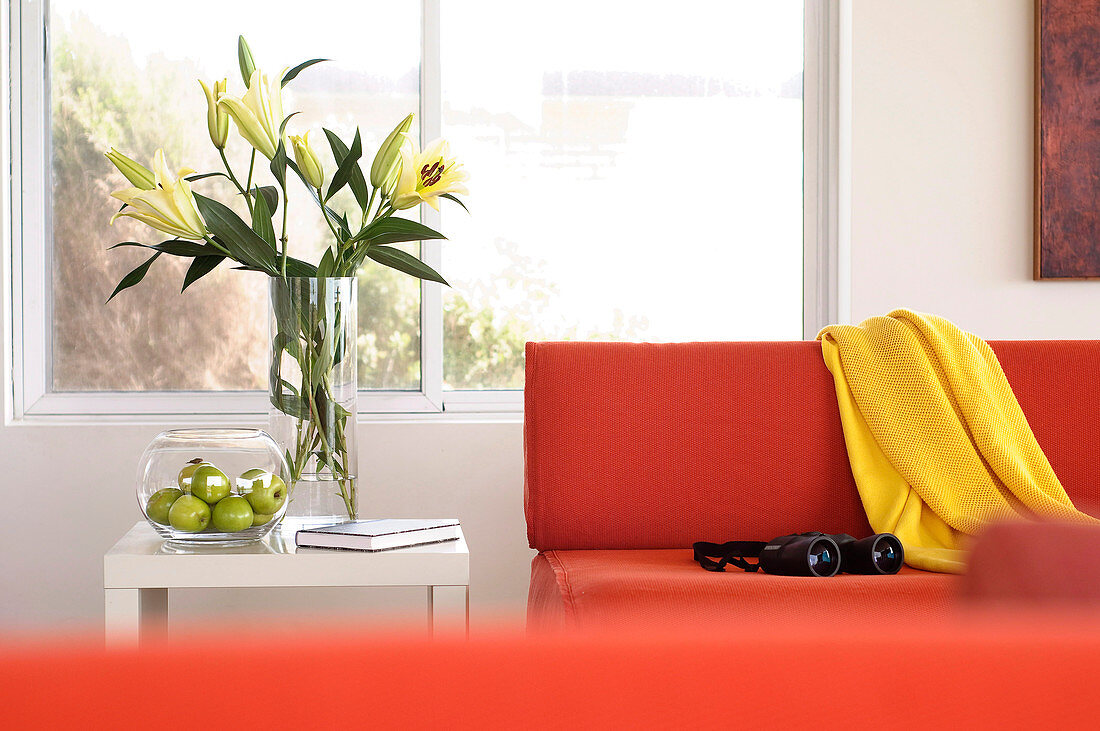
313	385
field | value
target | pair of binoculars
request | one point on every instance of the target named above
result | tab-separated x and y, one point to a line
808	554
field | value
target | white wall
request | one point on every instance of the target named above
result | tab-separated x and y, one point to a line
940	221
69	494
941	211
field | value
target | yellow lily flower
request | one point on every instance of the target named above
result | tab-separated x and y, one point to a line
138	175
217	120
307	160
259	113
168	207
389	153
426	175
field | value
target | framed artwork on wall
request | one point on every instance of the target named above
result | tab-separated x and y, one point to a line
1067	139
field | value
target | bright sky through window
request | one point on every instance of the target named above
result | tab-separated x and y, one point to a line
636	173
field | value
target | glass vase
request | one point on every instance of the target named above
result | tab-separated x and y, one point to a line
212	486
313	386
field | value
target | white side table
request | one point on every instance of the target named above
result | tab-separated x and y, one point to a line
141	569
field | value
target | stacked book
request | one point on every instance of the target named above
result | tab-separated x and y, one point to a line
378	535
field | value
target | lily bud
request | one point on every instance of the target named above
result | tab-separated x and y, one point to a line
244	57
217	120
138	175
390	183
307	160
389	153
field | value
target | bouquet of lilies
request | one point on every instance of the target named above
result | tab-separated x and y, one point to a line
208	232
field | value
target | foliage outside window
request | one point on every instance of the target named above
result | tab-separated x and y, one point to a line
620	193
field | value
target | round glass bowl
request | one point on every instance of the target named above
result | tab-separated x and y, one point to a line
212	486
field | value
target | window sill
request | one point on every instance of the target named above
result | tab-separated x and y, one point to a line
250	407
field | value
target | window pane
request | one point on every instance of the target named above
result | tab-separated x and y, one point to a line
636	173
124	73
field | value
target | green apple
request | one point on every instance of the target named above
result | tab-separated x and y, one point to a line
232	514
160	502
264	491
209	483
261	518
188	470
189	514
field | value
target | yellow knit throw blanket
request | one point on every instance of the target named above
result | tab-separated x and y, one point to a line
937	441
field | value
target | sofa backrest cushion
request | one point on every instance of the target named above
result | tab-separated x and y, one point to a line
641	445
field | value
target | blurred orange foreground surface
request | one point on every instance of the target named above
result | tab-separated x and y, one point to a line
981	671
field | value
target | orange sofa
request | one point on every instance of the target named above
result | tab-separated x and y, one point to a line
635	451
995	673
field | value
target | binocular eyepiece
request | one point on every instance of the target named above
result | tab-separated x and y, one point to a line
808	554
877	554
811	554
818	554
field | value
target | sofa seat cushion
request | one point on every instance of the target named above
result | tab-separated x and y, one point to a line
605	589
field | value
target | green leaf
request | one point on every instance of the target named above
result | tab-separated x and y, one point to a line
282	307
341	347
289	386
203	176
450	197
290	75
135	276
244	57
404	262
243	244
283	341
356	180
392	230
323	362
290	405
279	163
328	262
294	268
299	268
287	118
339	149
200	267
275	377
261	221
185	248
270	194
341	221
173	247
288	398
326	460
343	172
294	166
324	415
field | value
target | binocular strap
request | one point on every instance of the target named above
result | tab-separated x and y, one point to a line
731	552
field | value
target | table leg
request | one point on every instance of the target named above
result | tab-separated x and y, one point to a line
449	610
133	614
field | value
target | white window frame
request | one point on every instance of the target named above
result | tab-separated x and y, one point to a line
29	328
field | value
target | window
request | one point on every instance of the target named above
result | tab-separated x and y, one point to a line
117	79
634	176
638	175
